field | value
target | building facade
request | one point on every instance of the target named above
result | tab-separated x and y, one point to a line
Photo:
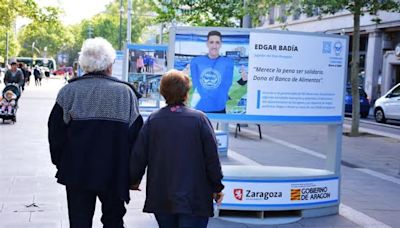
379	62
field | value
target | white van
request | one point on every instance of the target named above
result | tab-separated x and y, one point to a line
388	106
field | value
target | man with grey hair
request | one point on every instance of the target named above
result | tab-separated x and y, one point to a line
92	128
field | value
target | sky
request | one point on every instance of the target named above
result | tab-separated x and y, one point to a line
76	10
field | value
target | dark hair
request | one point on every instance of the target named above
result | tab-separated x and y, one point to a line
214	33
174	87
13	63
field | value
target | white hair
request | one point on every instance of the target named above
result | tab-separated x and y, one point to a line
96	55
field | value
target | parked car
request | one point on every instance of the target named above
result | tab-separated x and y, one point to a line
63	70
388	106
364	102
45	70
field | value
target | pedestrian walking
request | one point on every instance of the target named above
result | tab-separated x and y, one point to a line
92	128
178	146
38	76
28	78
24	70
14	75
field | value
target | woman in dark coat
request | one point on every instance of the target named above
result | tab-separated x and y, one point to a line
178	146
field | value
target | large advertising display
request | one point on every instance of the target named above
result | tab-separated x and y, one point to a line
147	63
118	65
257	75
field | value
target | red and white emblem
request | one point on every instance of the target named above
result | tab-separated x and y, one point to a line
238	193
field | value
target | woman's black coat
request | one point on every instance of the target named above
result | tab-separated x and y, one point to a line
179	149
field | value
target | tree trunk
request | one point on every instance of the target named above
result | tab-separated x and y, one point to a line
7	45
355	65
246	20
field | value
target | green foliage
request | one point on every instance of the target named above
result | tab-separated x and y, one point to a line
225	13
9	11
45	31
13	44
260	8
203	12
106	24
334	6
357	8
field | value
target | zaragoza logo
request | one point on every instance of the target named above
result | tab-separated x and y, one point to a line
238	193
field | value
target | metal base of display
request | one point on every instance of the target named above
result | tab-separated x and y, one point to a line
288	208
264	221
277	219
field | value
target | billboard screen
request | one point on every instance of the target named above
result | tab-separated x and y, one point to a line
256	75
147	63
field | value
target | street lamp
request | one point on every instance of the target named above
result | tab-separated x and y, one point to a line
121	10
33	53
90	31
6	60
45	55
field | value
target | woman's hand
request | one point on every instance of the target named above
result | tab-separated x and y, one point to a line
218	197
135	187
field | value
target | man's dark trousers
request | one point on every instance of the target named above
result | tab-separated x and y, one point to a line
82	203
181	221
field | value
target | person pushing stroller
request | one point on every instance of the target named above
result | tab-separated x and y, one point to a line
14	75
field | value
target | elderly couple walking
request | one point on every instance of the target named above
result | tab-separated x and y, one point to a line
100	148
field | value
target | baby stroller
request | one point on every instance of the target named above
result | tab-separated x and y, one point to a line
16	90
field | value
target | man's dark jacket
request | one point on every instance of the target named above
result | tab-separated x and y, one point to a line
92	127
18	78
178	146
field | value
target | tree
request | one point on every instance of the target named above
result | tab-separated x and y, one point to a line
229	13
45	31
9	11
357	8
106	24
201	13
12	44
225	13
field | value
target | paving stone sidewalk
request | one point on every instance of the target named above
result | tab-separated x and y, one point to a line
30	196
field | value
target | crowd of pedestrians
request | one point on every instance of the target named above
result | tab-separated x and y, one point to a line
20	74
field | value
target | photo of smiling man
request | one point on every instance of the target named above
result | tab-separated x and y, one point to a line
212	77
216	61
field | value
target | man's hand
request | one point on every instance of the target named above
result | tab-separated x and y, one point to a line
218	197
135	187
243	73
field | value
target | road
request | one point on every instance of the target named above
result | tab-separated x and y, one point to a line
390	129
